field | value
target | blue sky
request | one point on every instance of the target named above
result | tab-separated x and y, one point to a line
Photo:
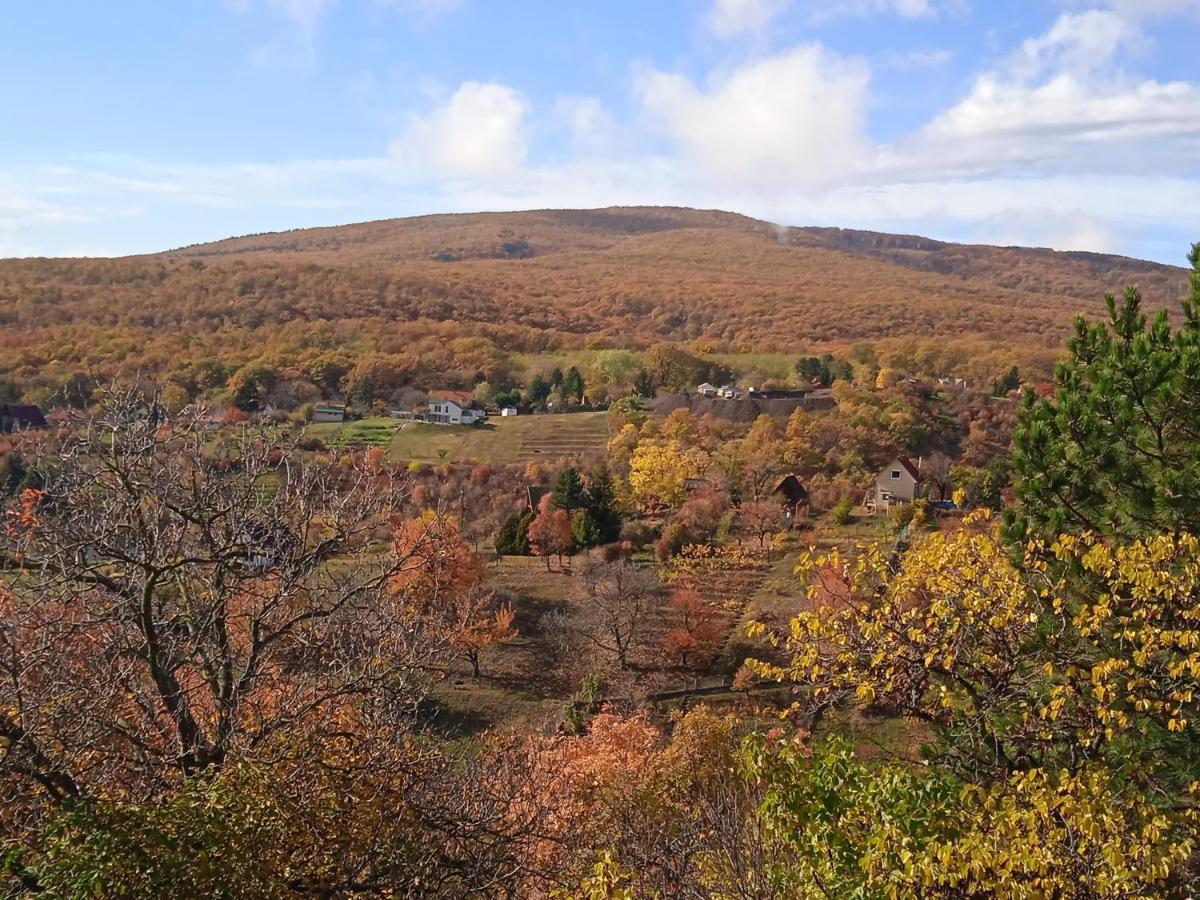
138	126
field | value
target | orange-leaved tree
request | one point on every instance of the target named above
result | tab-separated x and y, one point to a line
550	531
443	580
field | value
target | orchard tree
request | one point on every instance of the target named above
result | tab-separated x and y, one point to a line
617	600
602	506
936	470
585	532
695	635
762	458
760	519
538	390
550	531
1014	667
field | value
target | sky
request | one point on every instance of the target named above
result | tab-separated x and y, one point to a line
138	125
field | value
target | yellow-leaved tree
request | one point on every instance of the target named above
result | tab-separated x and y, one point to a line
1060	696
659	472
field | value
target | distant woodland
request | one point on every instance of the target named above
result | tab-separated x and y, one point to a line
454	299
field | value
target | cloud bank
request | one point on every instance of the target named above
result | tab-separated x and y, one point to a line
1057	143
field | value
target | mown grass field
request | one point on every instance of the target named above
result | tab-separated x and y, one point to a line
371	432
512	440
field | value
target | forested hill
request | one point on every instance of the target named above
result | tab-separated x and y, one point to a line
559	278
688	236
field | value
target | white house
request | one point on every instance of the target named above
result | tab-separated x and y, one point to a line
706	390
899	482
329	412
451	412
508	411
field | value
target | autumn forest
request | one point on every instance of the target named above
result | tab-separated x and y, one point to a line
621	553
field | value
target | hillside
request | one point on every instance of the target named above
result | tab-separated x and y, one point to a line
532	281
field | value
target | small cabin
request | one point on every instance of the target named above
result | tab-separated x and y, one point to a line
329	412
790	491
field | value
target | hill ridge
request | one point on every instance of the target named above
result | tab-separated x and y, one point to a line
538	280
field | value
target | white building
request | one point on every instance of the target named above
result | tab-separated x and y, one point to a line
508	411
706	390
451	412
899	482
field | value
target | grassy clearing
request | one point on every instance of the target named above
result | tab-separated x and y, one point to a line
373	432
770	365
512	440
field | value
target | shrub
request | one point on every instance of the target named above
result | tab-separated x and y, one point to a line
842	511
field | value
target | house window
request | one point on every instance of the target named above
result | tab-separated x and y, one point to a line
895	474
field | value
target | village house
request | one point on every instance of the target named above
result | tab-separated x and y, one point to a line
452	412
329	412
946	381
706	390
462	398
897	482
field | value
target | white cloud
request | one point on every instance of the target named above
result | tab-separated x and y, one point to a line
1064	94
479	131
1147	9
1077	43
1050	146
823	10
592	128
795	119
1060	230
730	18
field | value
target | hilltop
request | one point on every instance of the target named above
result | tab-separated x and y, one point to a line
531	281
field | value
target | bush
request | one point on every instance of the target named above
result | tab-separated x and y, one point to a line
637	534
843	511
673	538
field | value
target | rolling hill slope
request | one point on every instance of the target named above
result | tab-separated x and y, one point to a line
554	278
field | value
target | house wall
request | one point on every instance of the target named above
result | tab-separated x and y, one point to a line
902	488
447	413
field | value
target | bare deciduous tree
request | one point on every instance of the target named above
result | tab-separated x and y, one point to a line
177	599
616	599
